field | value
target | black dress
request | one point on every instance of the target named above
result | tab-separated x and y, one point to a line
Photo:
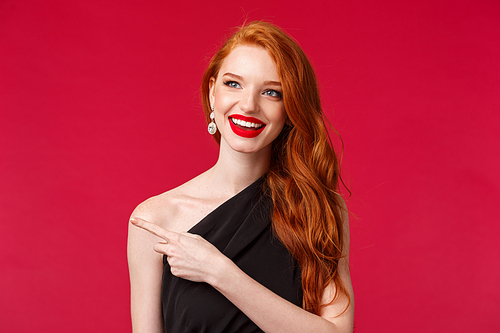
241	229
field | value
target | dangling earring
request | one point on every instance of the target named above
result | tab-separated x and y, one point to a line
212	127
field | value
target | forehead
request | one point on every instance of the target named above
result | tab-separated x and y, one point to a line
250	61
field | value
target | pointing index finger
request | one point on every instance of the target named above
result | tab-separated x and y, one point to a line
152	228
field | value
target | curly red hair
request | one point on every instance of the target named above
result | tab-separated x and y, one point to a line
303	178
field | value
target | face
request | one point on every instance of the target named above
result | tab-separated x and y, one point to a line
247	100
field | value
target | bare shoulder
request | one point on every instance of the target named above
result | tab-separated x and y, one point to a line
140	242
180	208
156	208
163	210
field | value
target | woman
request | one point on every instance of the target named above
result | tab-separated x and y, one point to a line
258	242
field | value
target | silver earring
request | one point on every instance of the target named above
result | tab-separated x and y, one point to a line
212	127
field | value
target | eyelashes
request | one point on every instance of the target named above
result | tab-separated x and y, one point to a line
232	84
268	92
273	93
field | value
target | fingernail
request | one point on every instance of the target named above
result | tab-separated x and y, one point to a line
133	220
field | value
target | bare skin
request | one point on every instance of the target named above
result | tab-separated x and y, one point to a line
159	225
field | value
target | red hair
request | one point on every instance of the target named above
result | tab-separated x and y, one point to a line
303	177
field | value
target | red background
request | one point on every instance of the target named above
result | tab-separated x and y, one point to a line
100	109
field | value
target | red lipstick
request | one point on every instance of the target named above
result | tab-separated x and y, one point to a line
246	133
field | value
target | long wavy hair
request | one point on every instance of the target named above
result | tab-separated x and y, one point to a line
303	177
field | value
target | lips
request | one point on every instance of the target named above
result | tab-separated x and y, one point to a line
247	127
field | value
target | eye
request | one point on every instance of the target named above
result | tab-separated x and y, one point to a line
273	93
232	84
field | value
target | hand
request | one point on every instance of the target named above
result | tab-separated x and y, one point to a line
190	256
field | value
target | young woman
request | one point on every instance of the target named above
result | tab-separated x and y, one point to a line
260	241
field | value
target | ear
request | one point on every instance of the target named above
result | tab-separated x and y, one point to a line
211	86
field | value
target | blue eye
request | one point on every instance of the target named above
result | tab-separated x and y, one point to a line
232	84
273	93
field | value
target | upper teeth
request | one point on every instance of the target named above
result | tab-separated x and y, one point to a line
245	123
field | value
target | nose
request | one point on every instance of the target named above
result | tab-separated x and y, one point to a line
249	102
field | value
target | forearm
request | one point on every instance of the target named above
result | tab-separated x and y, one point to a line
266	309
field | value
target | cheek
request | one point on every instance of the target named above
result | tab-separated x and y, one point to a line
220	108
219	118
280	116
223	102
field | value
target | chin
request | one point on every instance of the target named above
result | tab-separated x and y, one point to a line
246	146
245	150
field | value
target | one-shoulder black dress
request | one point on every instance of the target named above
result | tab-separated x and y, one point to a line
241	229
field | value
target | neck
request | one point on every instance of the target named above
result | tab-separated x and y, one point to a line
234	170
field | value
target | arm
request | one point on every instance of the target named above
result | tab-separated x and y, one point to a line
274	314
145	269
193	258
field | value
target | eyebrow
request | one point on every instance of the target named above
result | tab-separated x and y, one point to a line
238	77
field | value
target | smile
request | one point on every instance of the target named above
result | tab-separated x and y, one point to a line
247	124
247	127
